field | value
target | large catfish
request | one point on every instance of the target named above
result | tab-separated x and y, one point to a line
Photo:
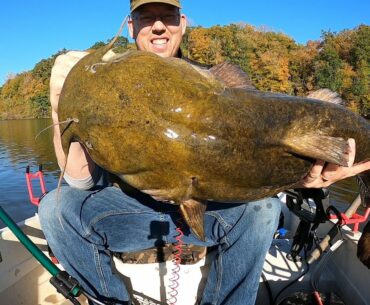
191	136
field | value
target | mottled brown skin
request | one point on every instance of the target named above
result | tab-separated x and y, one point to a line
180	135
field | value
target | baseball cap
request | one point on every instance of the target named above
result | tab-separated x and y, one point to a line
134	4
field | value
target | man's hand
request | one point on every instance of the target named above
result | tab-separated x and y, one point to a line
79	163
324	174
62	66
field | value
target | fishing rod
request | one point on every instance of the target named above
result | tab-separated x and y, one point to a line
325	243
61	280
294	201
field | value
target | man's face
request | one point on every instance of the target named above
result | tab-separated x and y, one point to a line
158	28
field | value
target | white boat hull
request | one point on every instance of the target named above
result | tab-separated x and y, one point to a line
23	281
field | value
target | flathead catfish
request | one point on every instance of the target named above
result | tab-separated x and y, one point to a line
193	136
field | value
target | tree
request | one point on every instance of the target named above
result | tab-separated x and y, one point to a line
301	67
119	46
42	69
328	69
198	46
360	60
98	45
274	62
41	105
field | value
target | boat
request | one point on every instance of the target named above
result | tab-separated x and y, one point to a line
337	274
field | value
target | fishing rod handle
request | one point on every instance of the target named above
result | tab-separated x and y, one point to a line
325	243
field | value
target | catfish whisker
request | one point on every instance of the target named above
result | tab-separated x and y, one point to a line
67	121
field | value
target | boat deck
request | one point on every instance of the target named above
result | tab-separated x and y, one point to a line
23	281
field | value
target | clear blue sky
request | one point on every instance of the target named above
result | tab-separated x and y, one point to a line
31	30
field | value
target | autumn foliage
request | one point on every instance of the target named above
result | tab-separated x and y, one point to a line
274	62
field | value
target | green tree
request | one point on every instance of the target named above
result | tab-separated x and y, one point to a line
274	62
301	67
41	105
327	69
98	45
42	69
360	60
119	46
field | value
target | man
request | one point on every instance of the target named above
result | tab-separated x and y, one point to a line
88	224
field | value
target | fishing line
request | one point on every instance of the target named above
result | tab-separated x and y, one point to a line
95	300
314	279
290	284
69	121
73	120
294	281
268	288
122	26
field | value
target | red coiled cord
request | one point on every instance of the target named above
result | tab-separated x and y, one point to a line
175	271
317	297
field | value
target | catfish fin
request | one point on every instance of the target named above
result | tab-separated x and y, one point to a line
111	56
330	149
363	180
193	213
326	95
232	76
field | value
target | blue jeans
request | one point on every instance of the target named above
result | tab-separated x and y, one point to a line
84	227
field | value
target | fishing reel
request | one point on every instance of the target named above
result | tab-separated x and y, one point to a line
310	205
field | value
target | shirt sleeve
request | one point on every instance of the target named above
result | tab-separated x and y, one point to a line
85	183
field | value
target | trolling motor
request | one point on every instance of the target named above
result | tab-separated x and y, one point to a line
300	202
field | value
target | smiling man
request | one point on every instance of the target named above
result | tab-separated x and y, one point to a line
88	221
157	27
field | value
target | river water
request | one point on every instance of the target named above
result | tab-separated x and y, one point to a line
18	148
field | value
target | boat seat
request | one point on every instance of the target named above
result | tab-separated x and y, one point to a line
152	277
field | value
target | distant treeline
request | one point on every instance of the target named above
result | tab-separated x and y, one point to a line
274	61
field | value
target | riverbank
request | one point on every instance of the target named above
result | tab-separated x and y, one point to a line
273	61
32	108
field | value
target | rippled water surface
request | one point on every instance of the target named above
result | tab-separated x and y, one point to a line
18	148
